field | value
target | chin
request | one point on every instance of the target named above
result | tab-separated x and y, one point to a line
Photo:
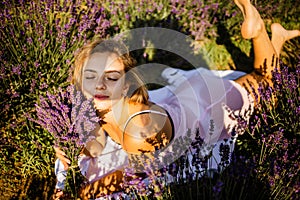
103	105
106	104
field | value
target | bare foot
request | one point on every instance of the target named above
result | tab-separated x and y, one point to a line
280	35
253	24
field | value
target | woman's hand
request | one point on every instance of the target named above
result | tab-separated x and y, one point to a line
57	194
62	157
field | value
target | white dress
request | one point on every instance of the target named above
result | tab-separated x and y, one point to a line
199	99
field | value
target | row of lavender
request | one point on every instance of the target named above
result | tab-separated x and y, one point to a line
39	40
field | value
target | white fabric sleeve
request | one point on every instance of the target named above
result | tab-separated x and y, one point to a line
113	158
60	173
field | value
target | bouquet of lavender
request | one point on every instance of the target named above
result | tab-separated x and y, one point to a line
69	117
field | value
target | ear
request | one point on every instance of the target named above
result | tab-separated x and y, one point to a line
125	89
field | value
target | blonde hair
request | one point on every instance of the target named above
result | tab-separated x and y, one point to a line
137	91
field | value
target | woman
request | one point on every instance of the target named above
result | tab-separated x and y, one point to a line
105	72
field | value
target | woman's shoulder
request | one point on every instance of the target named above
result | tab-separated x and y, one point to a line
145	116
150	123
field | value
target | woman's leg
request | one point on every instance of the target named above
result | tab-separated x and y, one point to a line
253	28
265	53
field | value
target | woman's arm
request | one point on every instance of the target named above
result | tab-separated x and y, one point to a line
94	147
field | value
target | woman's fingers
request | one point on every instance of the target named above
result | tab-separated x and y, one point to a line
61	156
58	151
57	194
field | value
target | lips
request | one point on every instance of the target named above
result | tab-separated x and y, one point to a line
101	97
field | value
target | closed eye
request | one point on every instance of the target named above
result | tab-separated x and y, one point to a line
90	74
89	77
111	78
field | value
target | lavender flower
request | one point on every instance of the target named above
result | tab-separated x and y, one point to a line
218	188
69	118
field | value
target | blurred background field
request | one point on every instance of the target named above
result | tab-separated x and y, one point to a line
40	38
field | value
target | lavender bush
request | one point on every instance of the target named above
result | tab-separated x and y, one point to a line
275	128
38	43
194	17
188	177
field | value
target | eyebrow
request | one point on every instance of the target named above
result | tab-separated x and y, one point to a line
113	71
90	70
106	72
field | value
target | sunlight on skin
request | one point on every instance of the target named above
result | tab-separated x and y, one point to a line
280	35
253	24
266	51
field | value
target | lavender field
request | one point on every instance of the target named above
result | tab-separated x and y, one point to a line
39	41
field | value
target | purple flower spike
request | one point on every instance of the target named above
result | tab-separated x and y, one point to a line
68	116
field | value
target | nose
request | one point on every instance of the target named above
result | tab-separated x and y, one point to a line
100	84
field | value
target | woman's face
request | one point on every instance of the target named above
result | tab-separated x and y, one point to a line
104	79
